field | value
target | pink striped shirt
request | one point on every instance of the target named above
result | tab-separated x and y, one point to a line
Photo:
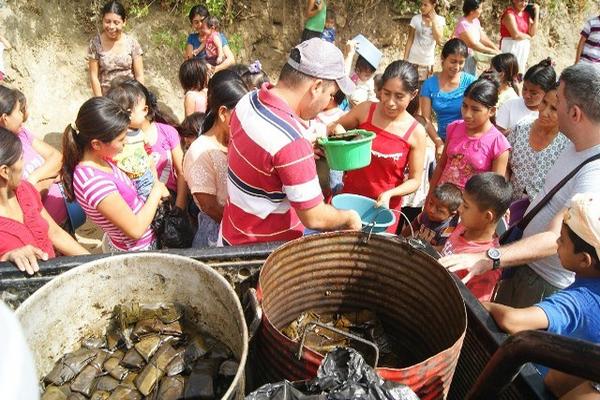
271	172
92	185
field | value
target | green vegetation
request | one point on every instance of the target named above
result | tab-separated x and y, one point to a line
236	43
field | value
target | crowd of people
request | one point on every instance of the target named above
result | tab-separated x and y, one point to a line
466	155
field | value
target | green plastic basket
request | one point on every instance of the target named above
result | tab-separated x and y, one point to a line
345	155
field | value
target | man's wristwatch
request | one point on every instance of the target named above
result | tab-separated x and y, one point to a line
494	255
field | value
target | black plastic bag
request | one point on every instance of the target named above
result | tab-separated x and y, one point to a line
342	375
172	227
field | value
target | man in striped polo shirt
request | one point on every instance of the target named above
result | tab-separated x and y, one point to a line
273	189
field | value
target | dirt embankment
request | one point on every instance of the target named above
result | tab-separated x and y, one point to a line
50	40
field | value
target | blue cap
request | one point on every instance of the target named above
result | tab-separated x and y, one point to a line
368	50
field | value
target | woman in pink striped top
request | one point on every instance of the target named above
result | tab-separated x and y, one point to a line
106	194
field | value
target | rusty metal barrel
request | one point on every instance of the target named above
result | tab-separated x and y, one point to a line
416	299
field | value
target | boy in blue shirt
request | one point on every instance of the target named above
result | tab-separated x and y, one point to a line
574	311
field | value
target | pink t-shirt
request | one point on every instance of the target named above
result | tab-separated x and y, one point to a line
53	200
482	286
92	185
468	156
166	140
474	28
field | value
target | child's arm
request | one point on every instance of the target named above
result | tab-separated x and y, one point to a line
513	320
312	8
409	42
351	48
499	165
5	42
189	104
437	173
182	188
580	45
436	30
219	45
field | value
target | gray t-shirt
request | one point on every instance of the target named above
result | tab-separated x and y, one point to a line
585	181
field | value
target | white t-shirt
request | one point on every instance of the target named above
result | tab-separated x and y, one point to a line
422	51
513	111
18	379
585	181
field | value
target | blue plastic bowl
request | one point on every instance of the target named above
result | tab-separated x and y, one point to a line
76	214
374	219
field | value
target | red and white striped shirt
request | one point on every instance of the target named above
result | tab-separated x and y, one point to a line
271	172
92	185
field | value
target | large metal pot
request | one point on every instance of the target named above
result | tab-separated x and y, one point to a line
79	302
415	297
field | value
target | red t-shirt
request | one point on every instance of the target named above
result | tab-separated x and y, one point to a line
522	22
389	157
482	286
33	230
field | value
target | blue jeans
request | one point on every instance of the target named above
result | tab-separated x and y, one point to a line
207	233
143	184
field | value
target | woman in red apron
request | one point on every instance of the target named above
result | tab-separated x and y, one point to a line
399	142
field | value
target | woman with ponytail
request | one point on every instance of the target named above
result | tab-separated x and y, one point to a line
107	195
27	232
205	163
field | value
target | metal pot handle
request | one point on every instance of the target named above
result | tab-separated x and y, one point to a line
253	311
312	325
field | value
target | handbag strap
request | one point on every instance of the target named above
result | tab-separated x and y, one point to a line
530	215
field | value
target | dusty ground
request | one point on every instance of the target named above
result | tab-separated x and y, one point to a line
50	40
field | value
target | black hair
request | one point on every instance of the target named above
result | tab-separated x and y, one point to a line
470	5
225	89
490	191
99	118
212	22
403	70
339	97
484	91
10	147
193	74
126	94
455	46
508	64
254	77
378	82
8	100
239	69
22	100
363	65
449	195
154	114
114	7
191	125
542	74
329	14
198	10
581	246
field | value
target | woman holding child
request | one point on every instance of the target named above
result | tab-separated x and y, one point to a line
113	53
205	163
107	195
27	232
399	141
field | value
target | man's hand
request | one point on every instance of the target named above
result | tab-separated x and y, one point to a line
354	222
475	264
26	258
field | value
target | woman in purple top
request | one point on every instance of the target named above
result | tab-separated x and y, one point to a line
42	162
107	195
